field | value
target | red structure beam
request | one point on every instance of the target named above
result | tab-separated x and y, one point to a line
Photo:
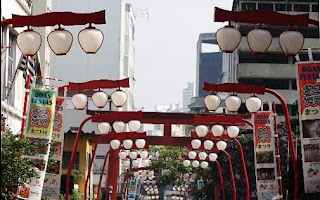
261	17
55	18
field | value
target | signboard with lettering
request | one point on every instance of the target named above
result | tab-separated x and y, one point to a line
265	160
308	82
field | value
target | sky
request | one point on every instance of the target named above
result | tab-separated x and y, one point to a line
166	45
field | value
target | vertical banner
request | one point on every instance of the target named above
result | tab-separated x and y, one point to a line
39	129
132	189
52	181
308	82
265	160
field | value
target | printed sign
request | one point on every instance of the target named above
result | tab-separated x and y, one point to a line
265	161
52	179
308	81
39	129
132	188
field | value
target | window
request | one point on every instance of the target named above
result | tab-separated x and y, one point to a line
3	61
283	7
66	160
301	7
248	6
11	67
265	6
315	8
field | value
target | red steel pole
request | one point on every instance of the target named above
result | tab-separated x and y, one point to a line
73	155
25	104
113	173
221	179
291	142
232	176
89	171
101	174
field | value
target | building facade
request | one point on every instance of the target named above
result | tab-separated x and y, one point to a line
188	93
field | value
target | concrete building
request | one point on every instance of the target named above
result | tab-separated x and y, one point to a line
272	69
209	69
113	61
14	66
188	93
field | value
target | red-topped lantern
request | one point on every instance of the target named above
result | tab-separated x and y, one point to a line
228	38
259	40
291	42
60	41
90	39
29	42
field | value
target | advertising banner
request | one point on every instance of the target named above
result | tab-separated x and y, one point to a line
265	160
132	189
39	129
308	82
52	179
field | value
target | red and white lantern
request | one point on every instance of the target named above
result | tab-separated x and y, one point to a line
228	38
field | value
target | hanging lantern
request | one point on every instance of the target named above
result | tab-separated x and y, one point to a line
291	42
253	104
144	154
221	145
233	131
201	130
79	101
228	38
186	163
145	163
100	99
29	42
213	157
233	103
133	155
126	163
104	127
122	155
208	145
195	163
60	41
192	155
118	126
259	40
140	143
134	125
119	98
217	130
143	173
196	144
204	164
212	102
115	144
136	174
135	163
90	39
203	155
127	144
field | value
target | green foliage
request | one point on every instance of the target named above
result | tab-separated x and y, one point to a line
75	196
76	174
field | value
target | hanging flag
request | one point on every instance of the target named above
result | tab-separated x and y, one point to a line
308	82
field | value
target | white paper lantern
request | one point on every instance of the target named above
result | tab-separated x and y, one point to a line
202	155
140	143
208	145
221	145
118	126
233	103
217	130
201	130
134	125
143	173
115	144
100	99
119	98
126	163
228	38
186	163
127	144
259	40
122	155
192	155
29	42
79	101
133	155
136	174
153	183
90	39
233	131
145	163
195	163
204	164
135	163
144	154
212	102
196	144
60	41
104	127
253	104
213	157
291	42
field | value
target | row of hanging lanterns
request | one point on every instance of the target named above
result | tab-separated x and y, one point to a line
119	126
233	103
100	99
127	143
217	131
136	163
259	40
60	41
133	154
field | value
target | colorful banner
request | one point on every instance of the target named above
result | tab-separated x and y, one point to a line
52	179
132	189
308	82
265	159
39	129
